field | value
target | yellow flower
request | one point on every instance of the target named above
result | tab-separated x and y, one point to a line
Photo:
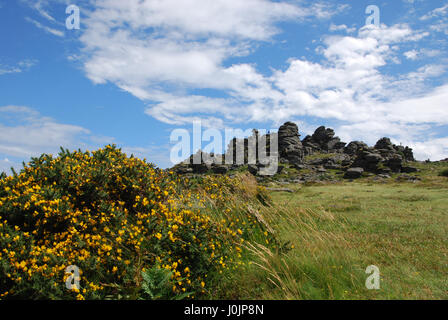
80	297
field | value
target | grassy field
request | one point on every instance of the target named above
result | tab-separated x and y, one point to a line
334	231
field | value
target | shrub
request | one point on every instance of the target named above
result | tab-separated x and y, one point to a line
121	221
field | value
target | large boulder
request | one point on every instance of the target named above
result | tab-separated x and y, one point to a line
368	160
354	147
408	169
408	154
323	139
395	163
253	169
353	173
289	146
384	143
323	135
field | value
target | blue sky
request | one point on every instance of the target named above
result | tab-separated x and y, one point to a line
137	70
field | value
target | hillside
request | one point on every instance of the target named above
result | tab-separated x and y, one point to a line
133	231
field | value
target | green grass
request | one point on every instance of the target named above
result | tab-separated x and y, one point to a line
337	230
320	156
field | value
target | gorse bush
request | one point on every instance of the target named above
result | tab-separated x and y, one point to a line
125	224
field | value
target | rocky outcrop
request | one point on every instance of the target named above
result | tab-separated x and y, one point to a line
350	160
289	145
385	145
323	140
383	158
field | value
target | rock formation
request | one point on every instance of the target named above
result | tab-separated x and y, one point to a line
325	151
289	146
323	140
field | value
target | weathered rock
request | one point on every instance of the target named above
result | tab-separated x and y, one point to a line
368	160
289	146
301	166
408	154
323	139
383	158
331	145
354	173
200	168
373	158
253	169
332	165
323	135
220	169
354	147
339	158
394	163
384	143
183	169
408	169
406	177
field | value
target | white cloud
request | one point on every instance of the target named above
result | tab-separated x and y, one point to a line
24	133
436	149
421	53
21	66
440	18
52	31
438	12
6	164
411	55
39	7
159	50
341	27
189	42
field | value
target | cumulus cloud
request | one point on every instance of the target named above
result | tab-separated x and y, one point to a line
341	27
24	132
436	149
186	48
160	51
